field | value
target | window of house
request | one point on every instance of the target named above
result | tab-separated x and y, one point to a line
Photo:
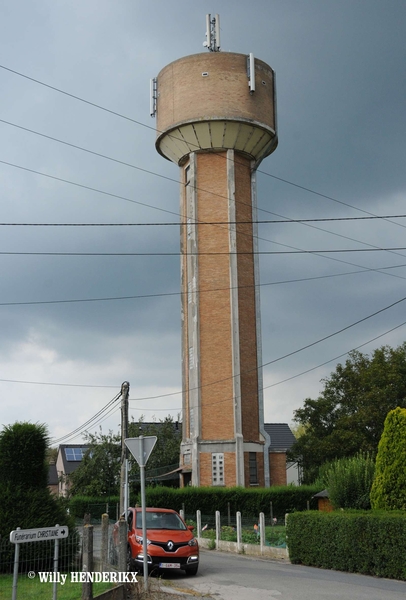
217	468
253	468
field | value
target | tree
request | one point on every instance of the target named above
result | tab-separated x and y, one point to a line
25	500
165	455
99	472
389	486
349	414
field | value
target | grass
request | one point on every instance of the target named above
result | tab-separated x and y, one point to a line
33	589
274	535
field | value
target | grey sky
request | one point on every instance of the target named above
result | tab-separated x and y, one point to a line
340	70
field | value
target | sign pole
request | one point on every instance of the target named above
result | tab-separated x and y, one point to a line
144	513
15	575
141	448
56	556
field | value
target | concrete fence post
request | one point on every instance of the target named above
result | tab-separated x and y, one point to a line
218	529
87	561
104	541
122	546
239	532
262	531
198	524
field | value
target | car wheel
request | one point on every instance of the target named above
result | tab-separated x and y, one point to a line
192	570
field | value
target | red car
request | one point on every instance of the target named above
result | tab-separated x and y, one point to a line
171	544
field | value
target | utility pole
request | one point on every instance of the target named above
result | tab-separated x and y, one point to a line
125	389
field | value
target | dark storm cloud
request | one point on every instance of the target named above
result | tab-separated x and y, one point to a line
341	89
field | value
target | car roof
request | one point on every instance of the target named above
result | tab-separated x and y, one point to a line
149	509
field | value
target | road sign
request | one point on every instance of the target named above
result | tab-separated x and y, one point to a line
20	536
134	446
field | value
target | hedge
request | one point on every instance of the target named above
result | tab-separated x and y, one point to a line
371	543
250	502
81	505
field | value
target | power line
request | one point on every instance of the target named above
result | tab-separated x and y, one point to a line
89	421
51	87
208	291
81	430
301	187
260	252
335	358
178	223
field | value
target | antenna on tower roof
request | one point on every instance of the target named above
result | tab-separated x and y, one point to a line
212	42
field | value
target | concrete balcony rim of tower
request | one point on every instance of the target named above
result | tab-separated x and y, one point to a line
269	139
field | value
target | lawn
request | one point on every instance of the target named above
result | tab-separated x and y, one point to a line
274	535
28	589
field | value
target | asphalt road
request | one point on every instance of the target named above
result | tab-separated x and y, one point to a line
227	576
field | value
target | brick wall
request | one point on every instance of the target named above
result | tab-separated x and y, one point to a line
277	468
229	469
214	300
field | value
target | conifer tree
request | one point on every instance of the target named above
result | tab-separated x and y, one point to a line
389	486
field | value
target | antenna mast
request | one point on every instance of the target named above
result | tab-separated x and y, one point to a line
212	42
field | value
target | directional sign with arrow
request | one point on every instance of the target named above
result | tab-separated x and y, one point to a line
21	536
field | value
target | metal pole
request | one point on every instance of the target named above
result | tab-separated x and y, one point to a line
15	575
56	555
144	514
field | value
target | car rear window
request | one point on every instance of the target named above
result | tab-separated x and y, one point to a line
160	520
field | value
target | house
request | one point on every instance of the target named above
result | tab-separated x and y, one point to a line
53	483
69	458
282	472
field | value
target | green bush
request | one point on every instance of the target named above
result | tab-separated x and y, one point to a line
371	543
349	481
389	486
250	502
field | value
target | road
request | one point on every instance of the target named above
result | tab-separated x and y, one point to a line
234	577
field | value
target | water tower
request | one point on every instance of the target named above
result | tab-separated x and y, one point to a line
216	119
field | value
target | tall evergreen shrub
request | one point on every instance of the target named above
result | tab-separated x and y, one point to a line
25	500
389	486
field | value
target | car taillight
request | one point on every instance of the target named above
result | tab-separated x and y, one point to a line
193	542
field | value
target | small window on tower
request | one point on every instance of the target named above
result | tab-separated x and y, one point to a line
217	468
253	468
187	175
